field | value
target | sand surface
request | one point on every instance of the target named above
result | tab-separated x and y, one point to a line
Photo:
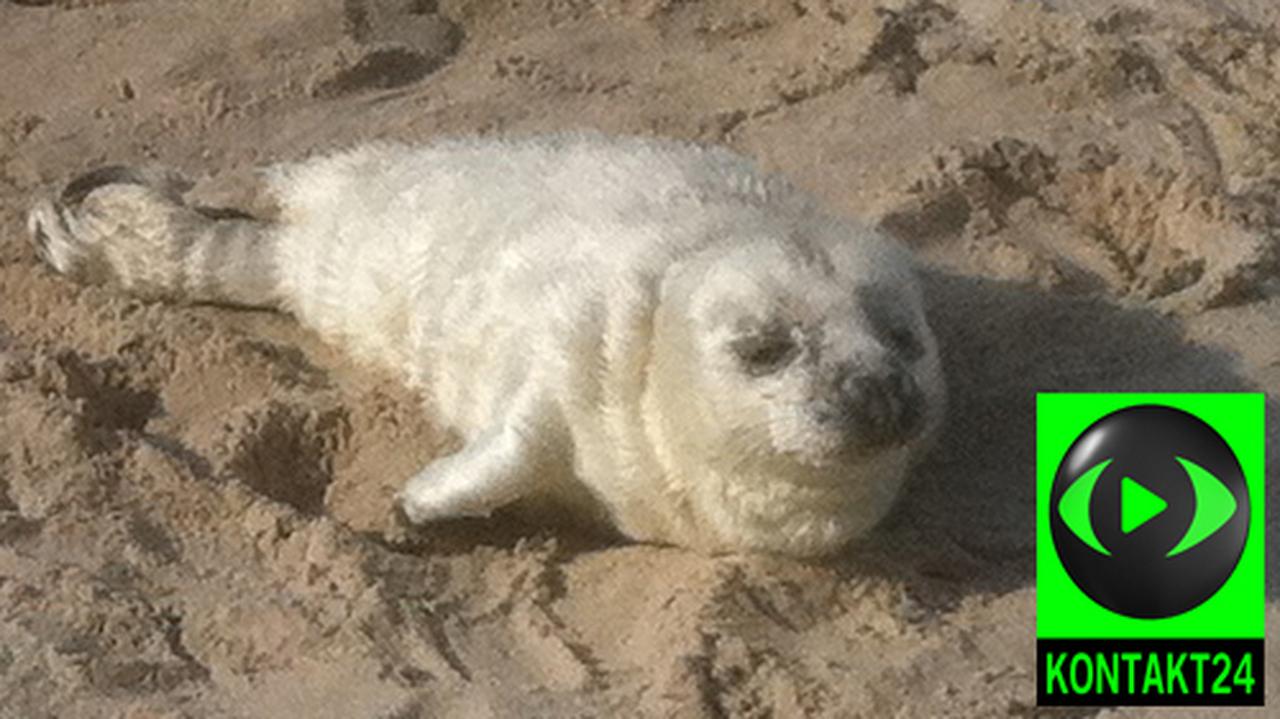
195	502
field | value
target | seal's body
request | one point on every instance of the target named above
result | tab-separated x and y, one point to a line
713	359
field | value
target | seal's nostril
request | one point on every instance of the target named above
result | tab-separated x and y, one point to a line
902	383
849	385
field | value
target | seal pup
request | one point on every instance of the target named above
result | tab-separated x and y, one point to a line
691	344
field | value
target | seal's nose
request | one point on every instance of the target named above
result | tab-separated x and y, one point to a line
879	408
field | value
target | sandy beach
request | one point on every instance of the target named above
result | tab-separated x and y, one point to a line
196	514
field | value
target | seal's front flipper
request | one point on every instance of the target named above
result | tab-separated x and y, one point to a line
495	469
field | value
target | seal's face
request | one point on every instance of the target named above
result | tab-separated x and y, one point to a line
834	383
808	356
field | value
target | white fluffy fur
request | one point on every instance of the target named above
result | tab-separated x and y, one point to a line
565	302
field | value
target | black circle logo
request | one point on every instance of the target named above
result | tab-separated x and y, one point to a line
1149	511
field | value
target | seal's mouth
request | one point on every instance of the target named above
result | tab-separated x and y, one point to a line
824	464
831	446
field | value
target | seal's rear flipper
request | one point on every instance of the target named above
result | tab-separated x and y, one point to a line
129	227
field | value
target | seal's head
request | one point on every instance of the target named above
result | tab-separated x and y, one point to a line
799	376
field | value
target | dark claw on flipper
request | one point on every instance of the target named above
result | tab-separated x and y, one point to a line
40	239
168	183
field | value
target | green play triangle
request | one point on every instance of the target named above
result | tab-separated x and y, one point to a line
1137	505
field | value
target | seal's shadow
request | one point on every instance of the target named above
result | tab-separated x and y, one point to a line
966	520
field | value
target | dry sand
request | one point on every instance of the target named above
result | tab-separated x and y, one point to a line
195	502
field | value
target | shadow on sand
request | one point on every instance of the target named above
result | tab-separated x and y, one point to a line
966	522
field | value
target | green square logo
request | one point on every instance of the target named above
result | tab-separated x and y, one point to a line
1149	548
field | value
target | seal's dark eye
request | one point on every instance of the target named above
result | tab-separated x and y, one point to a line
905	342
764	353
